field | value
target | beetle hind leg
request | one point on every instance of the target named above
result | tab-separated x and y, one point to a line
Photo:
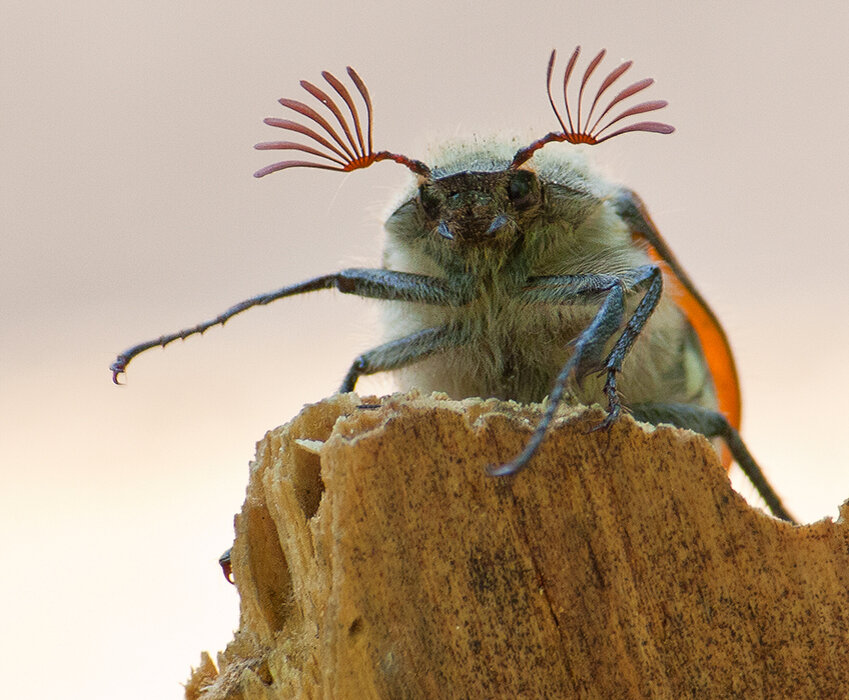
713	424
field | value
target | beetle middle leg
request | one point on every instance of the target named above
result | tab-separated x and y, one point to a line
401	352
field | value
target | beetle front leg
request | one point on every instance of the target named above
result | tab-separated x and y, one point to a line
571	289
589	346
364	282
651	277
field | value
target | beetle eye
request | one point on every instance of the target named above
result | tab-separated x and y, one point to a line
521	189
430	202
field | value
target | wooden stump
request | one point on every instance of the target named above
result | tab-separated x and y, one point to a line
375	558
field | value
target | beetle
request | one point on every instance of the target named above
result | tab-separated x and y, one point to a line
519	273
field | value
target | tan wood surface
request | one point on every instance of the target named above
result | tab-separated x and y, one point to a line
375	558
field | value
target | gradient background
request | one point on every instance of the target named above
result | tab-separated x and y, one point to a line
128	210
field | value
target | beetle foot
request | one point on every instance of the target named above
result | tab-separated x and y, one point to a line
614	404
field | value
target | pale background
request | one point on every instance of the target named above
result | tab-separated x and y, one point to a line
128	210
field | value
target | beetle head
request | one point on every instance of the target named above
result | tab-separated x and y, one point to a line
472	208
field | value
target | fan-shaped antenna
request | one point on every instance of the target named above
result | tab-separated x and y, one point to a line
584	129
346	151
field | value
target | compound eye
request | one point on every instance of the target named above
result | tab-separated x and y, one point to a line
431	202
522	189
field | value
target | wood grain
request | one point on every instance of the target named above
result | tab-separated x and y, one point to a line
375	558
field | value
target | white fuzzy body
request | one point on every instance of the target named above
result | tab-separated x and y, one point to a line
514	350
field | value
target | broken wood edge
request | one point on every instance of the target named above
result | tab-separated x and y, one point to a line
620	562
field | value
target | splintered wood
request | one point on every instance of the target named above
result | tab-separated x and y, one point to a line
375	558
